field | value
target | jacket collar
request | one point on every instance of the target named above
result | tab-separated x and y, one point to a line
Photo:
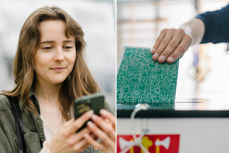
34	100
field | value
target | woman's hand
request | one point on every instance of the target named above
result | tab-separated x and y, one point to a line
171	45
66	140
104	129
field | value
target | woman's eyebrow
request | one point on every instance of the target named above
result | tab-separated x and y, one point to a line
48	41
68	41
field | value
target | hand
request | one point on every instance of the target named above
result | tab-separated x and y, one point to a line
104	128
66	140
171	45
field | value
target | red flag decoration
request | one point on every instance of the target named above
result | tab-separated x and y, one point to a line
152	143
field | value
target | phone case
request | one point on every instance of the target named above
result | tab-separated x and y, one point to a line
83	104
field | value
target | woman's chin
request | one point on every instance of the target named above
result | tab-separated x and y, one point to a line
57	80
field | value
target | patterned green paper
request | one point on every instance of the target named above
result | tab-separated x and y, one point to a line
143	80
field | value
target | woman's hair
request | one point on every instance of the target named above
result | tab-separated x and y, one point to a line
78	83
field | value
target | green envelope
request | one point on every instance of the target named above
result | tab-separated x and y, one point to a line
142	80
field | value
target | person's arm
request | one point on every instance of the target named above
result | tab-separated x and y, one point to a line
5	142
216	25
206	27
195	29
172	43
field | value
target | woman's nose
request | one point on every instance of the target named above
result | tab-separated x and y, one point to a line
59	54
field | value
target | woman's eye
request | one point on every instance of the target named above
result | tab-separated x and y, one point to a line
47	48
67	47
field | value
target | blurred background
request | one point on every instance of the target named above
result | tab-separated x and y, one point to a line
96	17
203	70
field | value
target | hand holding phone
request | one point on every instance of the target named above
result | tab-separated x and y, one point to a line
83	104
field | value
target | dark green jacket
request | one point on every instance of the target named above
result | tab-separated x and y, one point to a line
32	127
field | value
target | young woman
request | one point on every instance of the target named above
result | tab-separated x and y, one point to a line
50	73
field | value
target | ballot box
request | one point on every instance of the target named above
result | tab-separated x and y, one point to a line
189	126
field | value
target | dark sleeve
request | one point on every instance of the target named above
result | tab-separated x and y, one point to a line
8	140
5	146
216	25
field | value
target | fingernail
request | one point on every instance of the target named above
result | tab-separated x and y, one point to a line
103	112
90	124
162	58
171	59
155	56
153	50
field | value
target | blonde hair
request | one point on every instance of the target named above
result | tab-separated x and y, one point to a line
79	83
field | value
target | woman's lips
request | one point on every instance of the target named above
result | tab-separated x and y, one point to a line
58	69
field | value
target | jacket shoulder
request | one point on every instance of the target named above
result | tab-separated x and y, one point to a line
4	103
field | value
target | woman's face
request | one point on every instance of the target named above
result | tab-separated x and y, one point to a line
55	57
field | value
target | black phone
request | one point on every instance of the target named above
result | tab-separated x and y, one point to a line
83	104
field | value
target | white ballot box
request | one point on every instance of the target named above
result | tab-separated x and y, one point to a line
191	126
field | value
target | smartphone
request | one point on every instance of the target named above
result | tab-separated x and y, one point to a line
83	104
